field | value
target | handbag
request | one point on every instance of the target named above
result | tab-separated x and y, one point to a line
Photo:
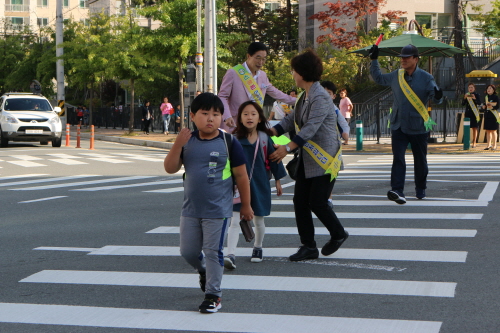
236	195
292	165
247	230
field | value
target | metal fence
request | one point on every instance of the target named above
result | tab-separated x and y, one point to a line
374	115
109	118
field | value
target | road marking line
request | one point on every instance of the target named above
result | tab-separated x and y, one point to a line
46	180
488	191
106	188
343	253
67	161
109	180
391	232
405	216
109	160
249	282
44	199
27	164
50	314
64	156
167	190
26	157
23	176
428	202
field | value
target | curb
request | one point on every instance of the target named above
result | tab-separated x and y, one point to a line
130	141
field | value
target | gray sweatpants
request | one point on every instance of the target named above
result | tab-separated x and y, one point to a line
207	235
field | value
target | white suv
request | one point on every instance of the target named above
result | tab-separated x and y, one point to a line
29	117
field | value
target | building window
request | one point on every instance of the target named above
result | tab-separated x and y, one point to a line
83	4
66	3
17	6
17	23
42	21
271	6
42	3
424	19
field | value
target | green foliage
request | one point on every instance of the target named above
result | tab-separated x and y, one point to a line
489	22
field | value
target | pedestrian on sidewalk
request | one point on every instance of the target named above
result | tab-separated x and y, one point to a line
409	120
491	117
208	193
248	82
166	112
345	105
252	131
177	116
147	115
472	102
316	125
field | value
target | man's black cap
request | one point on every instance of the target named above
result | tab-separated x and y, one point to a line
409	51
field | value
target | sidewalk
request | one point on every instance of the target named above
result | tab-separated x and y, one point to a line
159	140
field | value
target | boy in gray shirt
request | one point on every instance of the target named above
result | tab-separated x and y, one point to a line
208	193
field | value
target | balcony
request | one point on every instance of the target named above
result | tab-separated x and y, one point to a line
17	8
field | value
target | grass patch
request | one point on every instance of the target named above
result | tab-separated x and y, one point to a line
125	134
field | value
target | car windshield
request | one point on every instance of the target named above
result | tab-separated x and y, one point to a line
27	104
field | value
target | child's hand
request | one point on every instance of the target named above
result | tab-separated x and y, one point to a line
279	189
183	137
246	212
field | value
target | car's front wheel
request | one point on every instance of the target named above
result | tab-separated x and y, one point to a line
56	142
4	142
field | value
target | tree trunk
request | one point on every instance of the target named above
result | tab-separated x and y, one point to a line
91	107
181	92
131	120
288	47
459	58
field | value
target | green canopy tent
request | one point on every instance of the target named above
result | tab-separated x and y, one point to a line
426	46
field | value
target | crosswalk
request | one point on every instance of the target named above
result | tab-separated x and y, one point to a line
373	168
44	160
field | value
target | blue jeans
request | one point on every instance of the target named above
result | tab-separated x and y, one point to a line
166	121
418	143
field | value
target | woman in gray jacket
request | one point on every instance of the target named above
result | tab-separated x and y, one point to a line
316	120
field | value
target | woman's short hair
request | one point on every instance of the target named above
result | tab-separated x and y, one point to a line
471	84
343	90
492	86
308	65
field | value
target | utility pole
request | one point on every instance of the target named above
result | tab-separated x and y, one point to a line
459	58
60	63
210	47
199	54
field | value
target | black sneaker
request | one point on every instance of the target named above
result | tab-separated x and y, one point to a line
211	304
230	262
395	195
419	193
203	280
304	253
333	245
256	255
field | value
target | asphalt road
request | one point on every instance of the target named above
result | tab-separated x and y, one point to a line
89	243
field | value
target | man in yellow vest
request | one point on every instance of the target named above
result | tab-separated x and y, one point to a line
409	120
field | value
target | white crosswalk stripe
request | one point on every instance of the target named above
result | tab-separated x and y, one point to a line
49	314
250	282
395	232
343	253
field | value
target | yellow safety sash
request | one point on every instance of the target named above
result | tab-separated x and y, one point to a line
473	107
415	101
250	84
495	112
330	164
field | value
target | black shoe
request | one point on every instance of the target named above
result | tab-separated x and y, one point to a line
211	304
397	196
304	253
333	245
203	280
230	262
419	193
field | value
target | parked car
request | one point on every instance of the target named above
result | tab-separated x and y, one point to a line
29	117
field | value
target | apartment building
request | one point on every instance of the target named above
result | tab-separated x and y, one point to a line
435	14
17	14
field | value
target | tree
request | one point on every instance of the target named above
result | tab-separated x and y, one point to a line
87	55
175	40
340	17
